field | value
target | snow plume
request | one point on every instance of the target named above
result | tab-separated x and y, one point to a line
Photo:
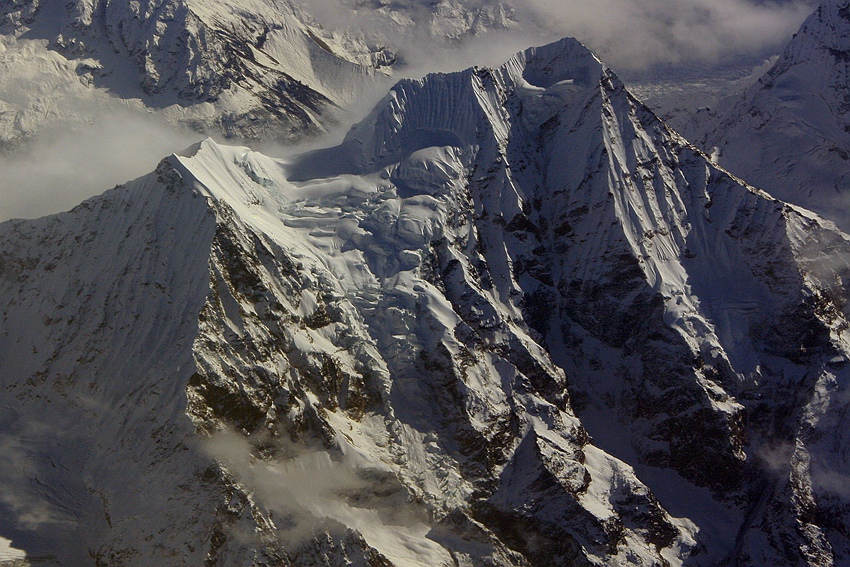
68	163
776	457
310	492
830	481
827	473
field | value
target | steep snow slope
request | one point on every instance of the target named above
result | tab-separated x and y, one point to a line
511	320
789	133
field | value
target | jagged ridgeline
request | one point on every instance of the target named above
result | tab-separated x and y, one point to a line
511	320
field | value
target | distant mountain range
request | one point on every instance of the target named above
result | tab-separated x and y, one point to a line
513	319
264	69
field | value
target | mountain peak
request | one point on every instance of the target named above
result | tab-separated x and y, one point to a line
564	60
789	132
194	149
511	320
824	37
454	109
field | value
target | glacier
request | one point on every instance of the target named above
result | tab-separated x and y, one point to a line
512	319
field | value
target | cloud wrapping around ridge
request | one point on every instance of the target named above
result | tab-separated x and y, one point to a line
310	492
634	34
66	164
627	34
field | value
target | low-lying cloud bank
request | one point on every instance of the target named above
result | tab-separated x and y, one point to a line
627	34
636	34
68	163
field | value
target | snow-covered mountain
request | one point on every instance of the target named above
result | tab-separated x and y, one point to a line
259	69
248	69
512	319
789	133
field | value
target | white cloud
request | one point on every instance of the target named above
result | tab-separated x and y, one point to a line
627	34
634	34
68	163
311	491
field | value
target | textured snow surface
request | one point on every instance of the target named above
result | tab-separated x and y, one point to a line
512	320
9	553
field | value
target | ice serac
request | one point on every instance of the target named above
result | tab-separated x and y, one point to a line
789	132
511	320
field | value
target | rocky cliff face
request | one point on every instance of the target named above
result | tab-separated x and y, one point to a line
788	133
511	320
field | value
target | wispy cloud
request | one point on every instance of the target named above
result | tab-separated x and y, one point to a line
627	34
67	163
634	34
311	491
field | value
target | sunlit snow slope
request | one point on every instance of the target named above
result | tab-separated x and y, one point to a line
511	320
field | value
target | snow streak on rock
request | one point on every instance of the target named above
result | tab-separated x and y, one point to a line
511	320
